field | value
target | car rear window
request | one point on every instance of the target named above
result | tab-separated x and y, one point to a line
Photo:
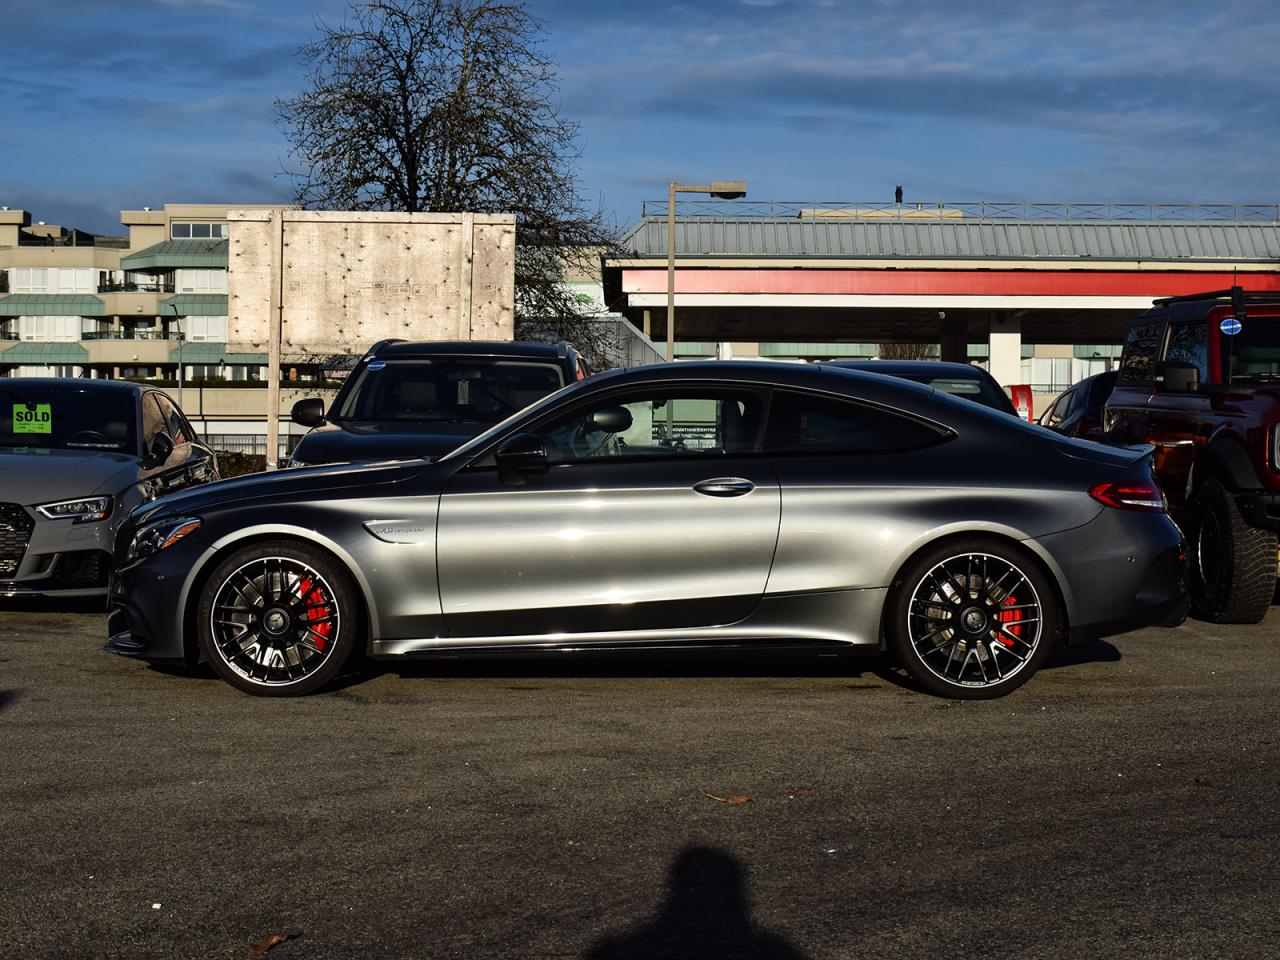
65	417
479	390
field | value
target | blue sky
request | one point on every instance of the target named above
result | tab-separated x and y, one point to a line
111	105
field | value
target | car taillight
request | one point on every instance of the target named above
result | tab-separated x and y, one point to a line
1131	495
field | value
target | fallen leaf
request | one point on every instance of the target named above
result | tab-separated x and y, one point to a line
733	799
260	949
1204	782
794	792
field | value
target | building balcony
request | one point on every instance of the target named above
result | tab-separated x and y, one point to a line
127	334
154	287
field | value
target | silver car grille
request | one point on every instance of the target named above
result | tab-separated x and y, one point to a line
15	533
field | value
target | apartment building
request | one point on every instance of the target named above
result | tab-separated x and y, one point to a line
149	305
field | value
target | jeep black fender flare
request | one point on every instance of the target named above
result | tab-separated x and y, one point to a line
1224	458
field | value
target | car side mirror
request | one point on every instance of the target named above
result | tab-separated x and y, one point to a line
611	420
308	413
521	457
1174	376
160	448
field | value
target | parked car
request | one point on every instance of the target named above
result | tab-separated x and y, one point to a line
1200	379
1078	412
698	505
75	457
959	379
423	399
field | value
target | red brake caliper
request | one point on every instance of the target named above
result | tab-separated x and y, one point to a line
320	632
1010	617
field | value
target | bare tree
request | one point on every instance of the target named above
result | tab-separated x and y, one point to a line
449	105
908	351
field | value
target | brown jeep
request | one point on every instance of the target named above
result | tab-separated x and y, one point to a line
1200	379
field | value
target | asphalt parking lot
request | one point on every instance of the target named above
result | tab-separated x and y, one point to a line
1125	802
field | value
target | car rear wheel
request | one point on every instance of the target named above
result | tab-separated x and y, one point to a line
278	619
1233	565
972	619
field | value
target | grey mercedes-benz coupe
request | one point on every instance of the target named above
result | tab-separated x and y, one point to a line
695	505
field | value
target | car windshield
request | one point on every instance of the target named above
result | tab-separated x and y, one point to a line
55	416
452	390
1253	354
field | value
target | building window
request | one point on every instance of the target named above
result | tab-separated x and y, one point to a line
198	231
49	329
202	281
29	280
76	280
205	329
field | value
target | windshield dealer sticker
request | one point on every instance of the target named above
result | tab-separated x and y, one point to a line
32	418
1230	326
377	365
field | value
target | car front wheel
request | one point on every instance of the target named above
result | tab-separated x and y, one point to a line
278	619
972	619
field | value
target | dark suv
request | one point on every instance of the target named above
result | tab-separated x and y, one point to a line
407	400
1200	379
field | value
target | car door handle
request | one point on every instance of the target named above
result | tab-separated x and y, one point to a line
724	487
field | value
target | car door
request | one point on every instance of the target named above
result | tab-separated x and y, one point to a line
201	465
1180	422
159	478
656	512
1126	411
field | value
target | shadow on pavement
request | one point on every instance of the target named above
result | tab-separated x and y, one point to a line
8	698
1088	651
706	914
85	605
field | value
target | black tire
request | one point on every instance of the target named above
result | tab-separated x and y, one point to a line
1233	565
980	608
279	619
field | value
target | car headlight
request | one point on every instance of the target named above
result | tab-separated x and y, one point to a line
84	510
160	535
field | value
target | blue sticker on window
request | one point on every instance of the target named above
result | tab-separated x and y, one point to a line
377	365
1230	326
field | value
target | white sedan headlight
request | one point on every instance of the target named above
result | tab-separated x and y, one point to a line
84	510
160	535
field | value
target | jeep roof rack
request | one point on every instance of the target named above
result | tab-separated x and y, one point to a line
1248	296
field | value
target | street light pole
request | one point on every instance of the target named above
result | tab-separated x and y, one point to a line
722	190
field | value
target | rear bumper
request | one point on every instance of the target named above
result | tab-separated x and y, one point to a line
1124	571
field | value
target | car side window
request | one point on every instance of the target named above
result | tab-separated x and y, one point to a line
810	423
1058	412
152	419
1189	343
660	422
177	427
1137	363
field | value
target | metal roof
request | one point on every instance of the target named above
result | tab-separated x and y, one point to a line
956	239
51	305
178	253
195	304
42	353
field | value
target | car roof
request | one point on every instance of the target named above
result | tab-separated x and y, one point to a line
469	348
84	384
817	376
893	368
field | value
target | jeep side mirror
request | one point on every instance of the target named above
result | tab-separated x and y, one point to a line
521	457
160	448
1174	376
308	413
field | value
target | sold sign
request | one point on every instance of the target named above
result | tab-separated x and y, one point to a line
32	418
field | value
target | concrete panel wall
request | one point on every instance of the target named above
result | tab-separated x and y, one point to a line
349	279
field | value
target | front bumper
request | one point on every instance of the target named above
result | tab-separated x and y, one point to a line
145	607
53	558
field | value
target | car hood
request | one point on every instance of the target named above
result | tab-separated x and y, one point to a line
360	440
294	485
30	475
